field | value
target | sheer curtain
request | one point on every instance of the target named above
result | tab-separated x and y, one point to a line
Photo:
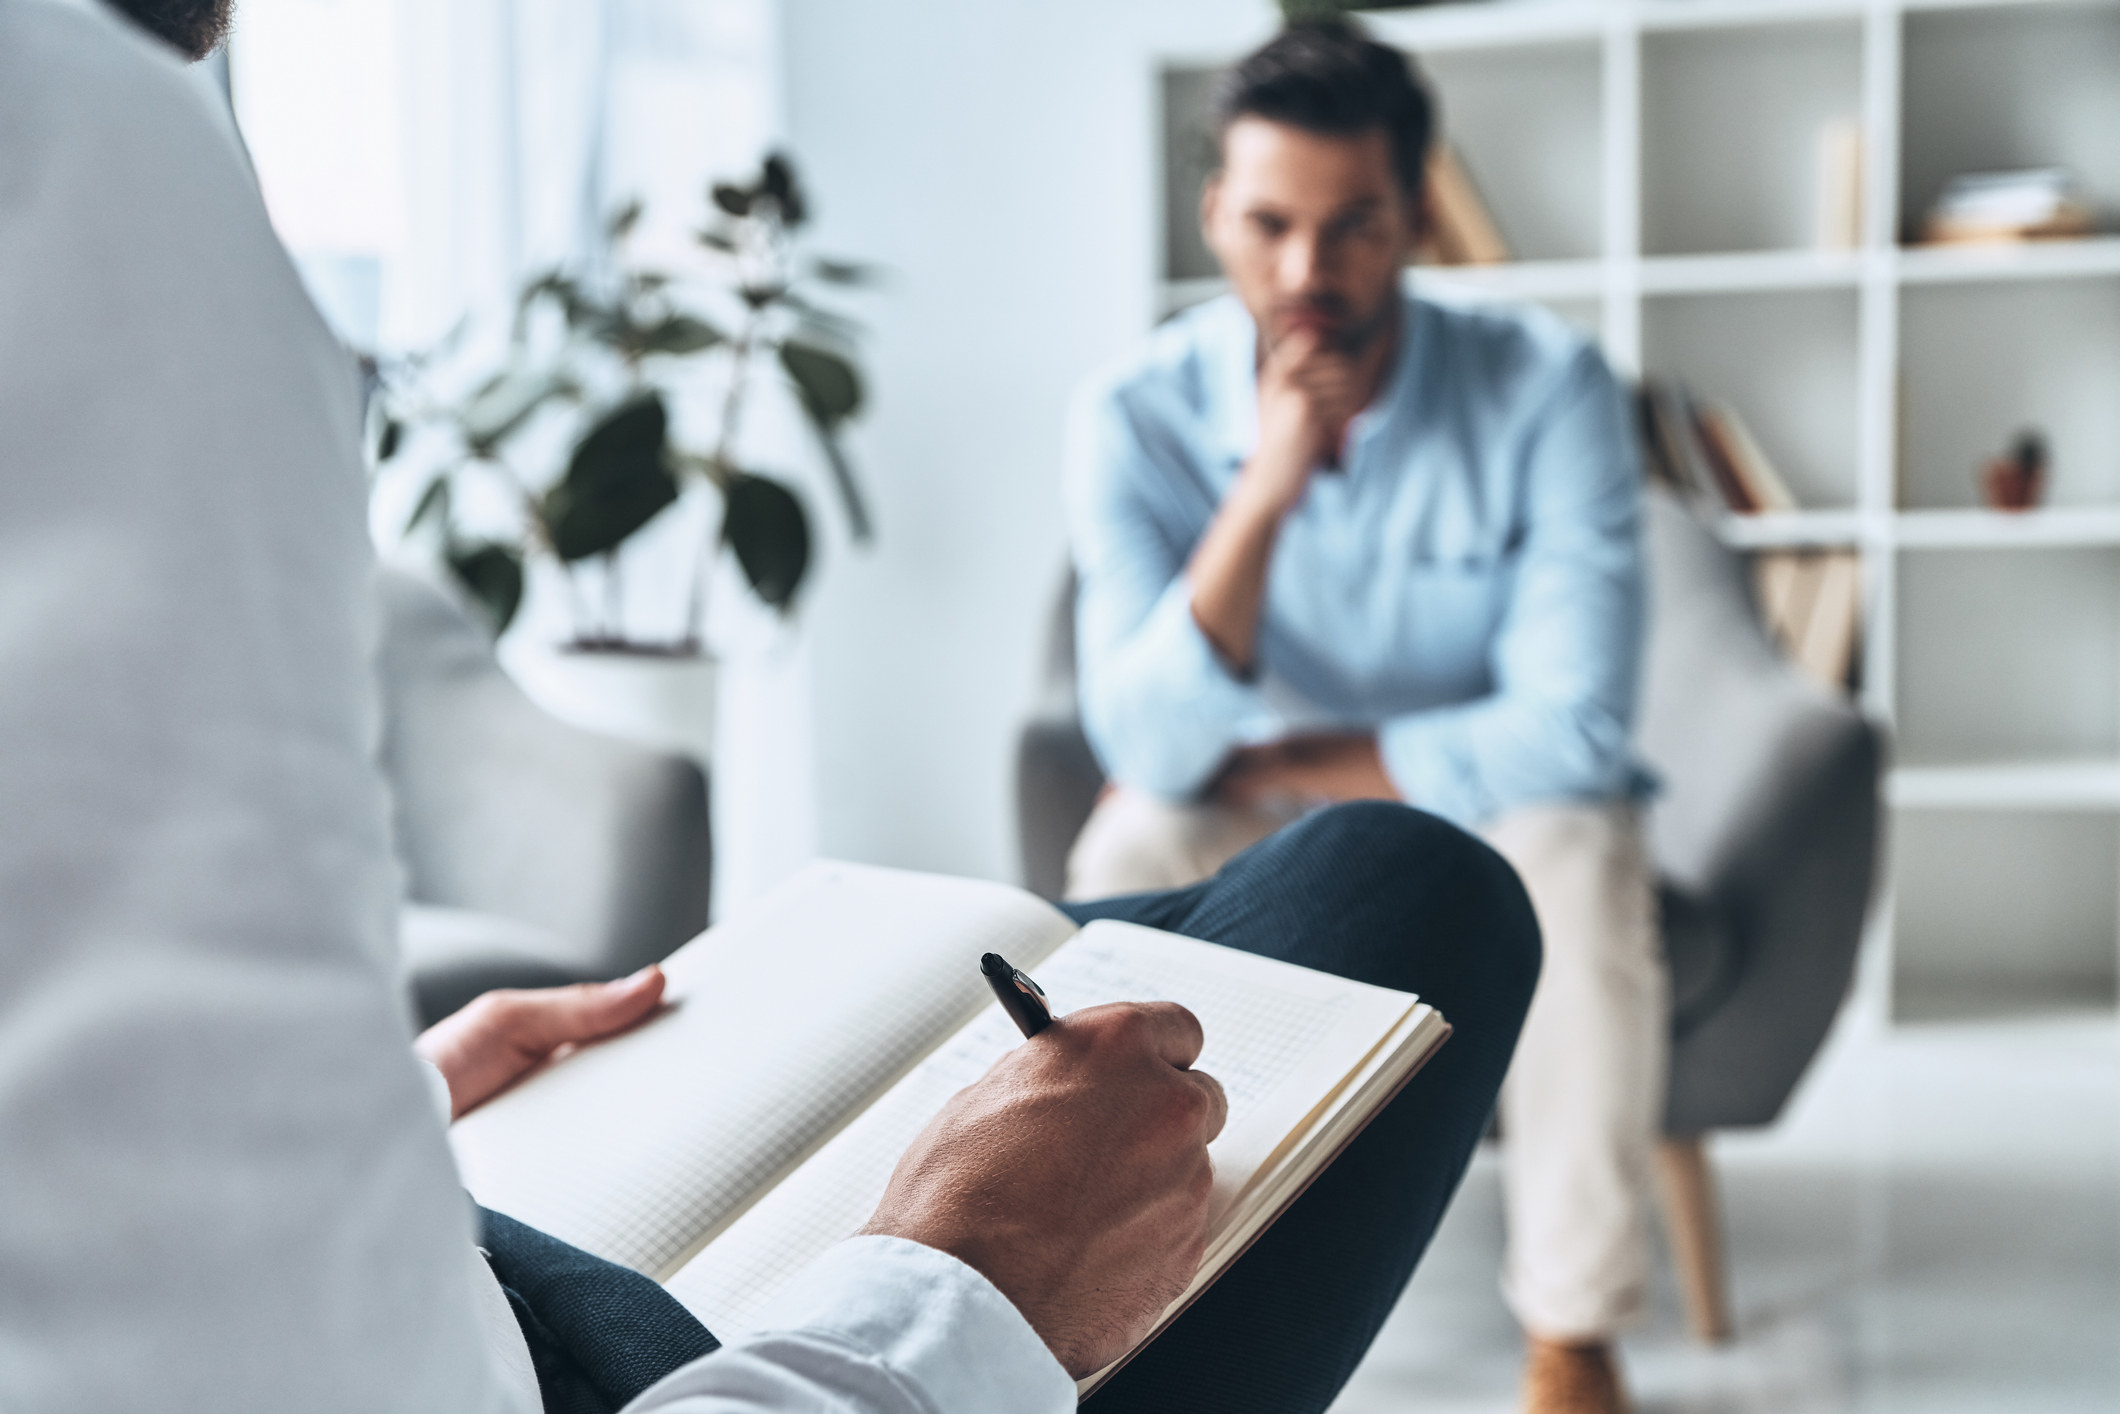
420	157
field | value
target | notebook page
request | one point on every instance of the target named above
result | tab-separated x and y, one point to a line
1409	1046
1278	1037
638	1149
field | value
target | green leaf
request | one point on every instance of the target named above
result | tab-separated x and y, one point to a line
715	240
765	525
830	388
844	272
732	199
492	574
624	220
503	403
433	502
551	283
820	323
777	181
1307	11
393	437
850	497
680	334
618	480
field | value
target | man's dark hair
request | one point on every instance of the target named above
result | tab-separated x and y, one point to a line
1327	77
196	27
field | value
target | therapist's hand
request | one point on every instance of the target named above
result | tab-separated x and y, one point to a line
487	1046
1074	1176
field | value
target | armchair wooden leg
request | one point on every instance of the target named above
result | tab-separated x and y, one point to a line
1694	1227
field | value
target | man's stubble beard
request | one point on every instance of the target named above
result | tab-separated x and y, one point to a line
195	27
1357	337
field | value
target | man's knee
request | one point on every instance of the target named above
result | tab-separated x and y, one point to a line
1405	867
1131	843
1588	873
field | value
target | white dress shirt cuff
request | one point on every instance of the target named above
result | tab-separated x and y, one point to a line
879	1325
931	1321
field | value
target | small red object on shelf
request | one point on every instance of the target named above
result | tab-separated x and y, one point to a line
2016	481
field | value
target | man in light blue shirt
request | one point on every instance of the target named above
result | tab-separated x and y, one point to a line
1336	541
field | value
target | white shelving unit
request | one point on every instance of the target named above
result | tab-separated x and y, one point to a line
1653	163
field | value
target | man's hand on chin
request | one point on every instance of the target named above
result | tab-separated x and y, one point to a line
487	1046
1074	1176
1325	768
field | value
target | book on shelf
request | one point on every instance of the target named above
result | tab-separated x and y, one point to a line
1729	442
757	1119
1706	450
1811	604
1672	452
1838	216
2035	203
1461	230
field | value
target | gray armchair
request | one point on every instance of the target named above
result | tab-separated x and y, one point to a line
1765	839
534	853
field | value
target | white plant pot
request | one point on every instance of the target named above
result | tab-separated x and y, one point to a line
665	703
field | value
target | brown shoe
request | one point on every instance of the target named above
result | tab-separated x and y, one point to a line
1571	1379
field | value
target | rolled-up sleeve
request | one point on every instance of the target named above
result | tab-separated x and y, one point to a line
1160	707
878	1325
1568	654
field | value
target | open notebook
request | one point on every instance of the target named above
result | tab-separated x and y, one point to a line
756	1121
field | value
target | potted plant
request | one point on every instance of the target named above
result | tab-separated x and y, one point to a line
570	433
604	350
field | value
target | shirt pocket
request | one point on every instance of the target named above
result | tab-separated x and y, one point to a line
1446	612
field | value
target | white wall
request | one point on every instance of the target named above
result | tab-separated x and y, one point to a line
999	157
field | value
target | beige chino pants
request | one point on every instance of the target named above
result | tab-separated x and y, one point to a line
1582	1098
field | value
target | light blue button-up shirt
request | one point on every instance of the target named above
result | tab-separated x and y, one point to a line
1469	586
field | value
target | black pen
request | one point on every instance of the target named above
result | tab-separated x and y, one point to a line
1021	998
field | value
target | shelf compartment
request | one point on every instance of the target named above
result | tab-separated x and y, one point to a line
2030	260
1481	26
2002	913
1664	15
2005	87
1519	280
2087	784
1187	94
1730	123
1790	529
2005	530
1983	361
1765	270
1785	360
2008	655
1529	124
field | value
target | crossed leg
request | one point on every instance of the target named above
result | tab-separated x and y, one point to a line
1379	893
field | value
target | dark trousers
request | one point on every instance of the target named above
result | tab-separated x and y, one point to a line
1380	893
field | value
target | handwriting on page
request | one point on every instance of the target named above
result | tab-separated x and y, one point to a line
1252	1034
1256	1037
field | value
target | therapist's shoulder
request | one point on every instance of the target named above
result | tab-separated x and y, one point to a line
1516	359
78	83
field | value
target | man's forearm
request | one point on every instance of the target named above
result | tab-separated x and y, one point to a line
1228	569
